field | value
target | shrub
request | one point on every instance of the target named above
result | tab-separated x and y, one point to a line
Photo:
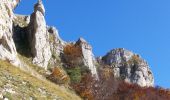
59	76
72	55
75	74
134	60
109	88
107	72
84	88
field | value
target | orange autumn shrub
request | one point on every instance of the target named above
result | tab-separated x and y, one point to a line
72	55
109	88
107	72
59	76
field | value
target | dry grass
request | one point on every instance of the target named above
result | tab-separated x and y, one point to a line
30	89
28	61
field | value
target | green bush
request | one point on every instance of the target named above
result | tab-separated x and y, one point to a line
75	74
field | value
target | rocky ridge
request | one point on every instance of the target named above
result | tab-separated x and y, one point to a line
44	42
45	47
129	67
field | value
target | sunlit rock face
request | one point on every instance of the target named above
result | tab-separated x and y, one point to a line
88	57
56	45
46	46
7	46
129	67
39	7
38	37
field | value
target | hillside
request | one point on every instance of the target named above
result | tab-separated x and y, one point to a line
36	64
16	84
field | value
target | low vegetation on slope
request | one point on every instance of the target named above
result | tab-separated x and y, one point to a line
109	88
16	85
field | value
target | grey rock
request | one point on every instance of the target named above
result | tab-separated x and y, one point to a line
56	46
38	37
129	67
88	56
56	43
21	20
39	7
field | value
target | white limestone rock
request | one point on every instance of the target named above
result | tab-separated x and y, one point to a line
56	43
88	57
39	7
129	67
7	46
39	37
56	46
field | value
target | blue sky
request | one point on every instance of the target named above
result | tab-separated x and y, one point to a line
142	26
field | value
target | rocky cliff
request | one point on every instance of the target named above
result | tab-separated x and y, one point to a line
129	67
88	57
26	41
7	46
44	42
39	37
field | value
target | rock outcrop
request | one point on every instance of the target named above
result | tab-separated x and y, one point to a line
129	67
56	43
26	41
56	46
88	57
44	45
7	46
39	37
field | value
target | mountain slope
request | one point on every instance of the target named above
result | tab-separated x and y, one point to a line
36	64
16	85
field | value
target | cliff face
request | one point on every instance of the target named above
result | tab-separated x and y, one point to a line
88	57
39	37
46	46
129	67
7	46
30	37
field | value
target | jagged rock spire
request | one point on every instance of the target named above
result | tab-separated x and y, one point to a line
39	7
88	57
38	36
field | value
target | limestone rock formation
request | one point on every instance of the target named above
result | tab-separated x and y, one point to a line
38	37
56	43
88	57
45	46
129	67
56	46
39	7
7	46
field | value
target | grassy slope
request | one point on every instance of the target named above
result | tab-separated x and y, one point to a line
16	84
